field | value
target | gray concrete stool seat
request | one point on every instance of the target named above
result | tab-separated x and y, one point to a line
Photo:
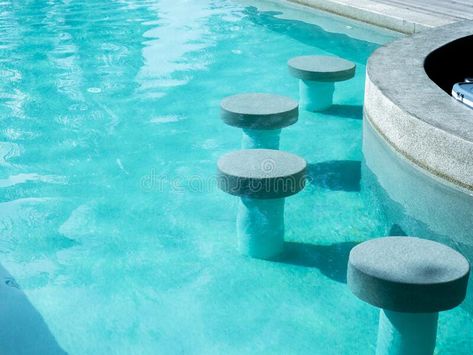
411	279
262	178
261	116
318	75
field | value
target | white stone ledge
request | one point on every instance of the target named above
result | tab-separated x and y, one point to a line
384	15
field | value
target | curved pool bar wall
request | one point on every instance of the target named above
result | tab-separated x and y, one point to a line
411	111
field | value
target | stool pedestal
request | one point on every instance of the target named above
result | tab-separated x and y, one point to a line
315	95
411	280
317	75
260	116
262	179
259	139
402	333
260	227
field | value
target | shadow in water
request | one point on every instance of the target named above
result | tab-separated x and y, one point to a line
22	328
339	44
331	260
336	175
397	231
354	112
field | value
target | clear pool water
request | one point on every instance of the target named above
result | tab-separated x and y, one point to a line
110	222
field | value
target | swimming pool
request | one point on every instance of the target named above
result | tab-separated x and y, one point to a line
110	221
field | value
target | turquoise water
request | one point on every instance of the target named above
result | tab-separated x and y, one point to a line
110	221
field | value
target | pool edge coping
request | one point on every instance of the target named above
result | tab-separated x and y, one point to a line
383	15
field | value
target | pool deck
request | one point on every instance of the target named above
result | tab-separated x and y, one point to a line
406	16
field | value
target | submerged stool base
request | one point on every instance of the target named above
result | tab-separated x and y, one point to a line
316	95
260	226
406	333
256	139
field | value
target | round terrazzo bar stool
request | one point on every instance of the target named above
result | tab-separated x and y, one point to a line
261	116
411	279
318	75
262	178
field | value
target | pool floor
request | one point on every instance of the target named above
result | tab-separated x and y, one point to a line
110	220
